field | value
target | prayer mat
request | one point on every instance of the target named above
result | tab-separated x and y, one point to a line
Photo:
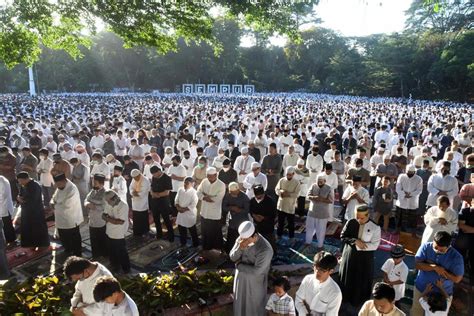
151	253
388	240
334	229
18	256
176	259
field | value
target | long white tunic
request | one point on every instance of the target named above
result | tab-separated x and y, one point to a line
414	186
315	166
353	204
437	183
187	198
44	170
140	202
216	191
6	203
119	211
431	218
67	207
324	298
243	164
179	171
119	185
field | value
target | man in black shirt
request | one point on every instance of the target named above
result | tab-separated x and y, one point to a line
232	152
227	173
263	210
160	201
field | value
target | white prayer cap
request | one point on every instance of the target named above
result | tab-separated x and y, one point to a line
411	168
245	150
109	158
290	169
300	162
135	172
246	229
211	171
233	186
255	165
386	156
321	176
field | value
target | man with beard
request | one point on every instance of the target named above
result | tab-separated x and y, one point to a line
33	229
408	187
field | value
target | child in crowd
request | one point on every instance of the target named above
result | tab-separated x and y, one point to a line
395	271
280	303
383	302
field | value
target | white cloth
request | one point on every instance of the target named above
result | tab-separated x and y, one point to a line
67	207
251	181
318	226
431	218
243	164
102	169
6	202
188	164
397	272
426	307
119	185
187	198
140	202
147	167
119	211
44	170
216	191
97	142
414	186
126	308
315	166
437	183
84	297
353	204
371	236
324	298
179	171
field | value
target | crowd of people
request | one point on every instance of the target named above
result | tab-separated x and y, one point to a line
251	165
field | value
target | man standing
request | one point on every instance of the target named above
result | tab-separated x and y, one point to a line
60	166
353	196
211	192
272	167
227	173
253	179
119	184
116	217
321	196
252	255
314	163
408	187
45	178
100	167
442	184
287	189
95	203
235	208
139	189
160	204
29	163
66	204
186	201
318	292
436	260
177	173
6	210
263	211
243	165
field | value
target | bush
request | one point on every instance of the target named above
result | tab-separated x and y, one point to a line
51	295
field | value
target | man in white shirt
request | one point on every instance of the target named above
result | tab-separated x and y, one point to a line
408	187
97	141
253	179
318	293
211	192
139	190
67	207
119	184
243	165
185	202
353	196
85	273
100	167
116	218
46	179
314	163
177	173
108	290
442	184
6	210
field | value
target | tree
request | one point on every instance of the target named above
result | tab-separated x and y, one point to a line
25	25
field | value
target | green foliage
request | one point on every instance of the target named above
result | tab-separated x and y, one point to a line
26	26
51	295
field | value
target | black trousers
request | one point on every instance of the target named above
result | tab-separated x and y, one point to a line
174	211
47	194
118	254
71	240
340	192
372	185
281	224
406	217
300	206
98	241
211	234
232	235
141	225
183	235
8	229
163	212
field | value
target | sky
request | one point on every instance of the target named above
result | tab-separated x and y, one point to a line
356	17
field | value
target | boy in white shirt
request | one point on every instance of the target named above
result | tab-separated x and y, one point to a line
108	289
395	271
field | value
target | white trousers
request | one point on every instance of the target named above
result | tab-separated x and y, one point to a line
318	226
